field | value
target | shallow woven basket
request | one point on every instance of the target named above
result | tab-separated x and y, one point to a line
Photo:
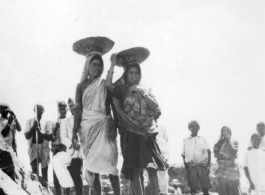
132	55
93	44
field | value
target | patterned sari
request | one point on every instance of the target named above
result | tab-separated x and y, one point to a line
136	122
228	170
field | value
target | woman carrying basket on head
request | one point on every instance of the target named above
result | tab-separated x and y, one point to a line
136	107
92	118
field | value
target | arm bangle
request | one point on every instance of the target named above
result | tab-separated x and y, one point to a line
111	71
8	124
145	94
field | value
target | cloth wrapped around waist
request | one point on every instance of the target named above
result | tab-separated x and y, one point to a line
91	124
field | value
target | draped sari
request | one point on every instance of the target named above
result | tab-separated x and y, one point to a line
227	167
100	152
228	170
136	124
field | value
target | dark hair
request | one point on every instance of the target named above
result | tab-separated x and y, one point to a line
128	67
261	124
97	57
255	135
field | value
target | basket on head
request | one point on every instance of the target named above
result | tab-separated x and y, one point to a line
93	44
132	55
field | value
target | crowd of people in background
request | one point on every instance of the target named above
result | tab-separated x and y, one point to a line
86	143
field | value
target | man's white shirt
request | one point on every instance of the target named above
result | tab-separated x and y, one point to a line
254	160
195	150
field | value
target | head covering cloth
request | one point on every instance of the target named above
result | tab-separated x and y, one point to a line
133	113
85	72
232	141
89	47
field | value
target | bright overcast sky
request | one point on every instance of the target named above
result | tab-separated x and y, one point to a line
206	63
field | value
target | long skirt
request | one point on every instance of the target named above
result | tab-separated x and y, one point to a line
229	187
140	152
103	154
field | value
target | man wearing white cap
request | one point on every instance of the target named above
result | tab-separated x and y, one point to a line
8	126
39	148
57	145
197	157
67	164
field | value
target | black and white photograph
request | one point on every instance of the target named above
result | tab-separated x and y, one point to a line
132	97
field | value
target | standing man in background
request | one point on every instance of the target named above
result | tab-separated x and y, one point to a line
57	146
254	166
261	132
41	150
197	158
67	164
8	126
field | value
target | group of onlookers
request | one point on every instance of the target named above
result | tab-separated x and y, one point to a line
67	160
197	158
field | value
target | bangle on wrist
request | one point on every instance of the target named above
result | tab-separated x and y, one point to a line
8	124
111	71
145	94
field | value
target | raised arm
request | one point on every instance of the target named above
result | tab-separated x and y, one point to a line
78	112
7	128
109	85
151	101
18	127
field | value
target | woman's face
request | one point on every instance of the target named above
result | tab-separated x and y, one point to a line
133	76
95	68
226	132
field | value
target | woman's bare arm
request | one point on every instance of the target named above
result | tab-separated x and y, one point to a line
109	85
78	110
151	103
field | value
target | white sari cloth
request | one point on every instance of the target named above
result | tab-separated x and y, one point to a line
26	181
100	153
63	159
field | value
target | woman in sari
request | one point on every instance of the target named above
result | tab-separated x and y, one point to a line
225	150
93	122
136	108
